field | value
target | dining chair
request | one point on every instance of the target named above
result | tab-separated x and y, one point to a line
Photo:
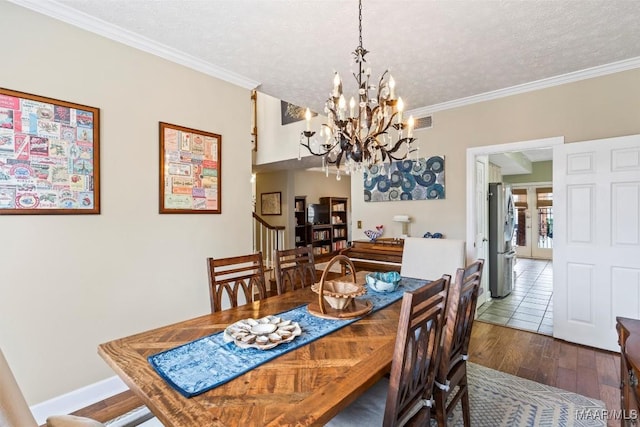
240	279
14	411
405	398
452	372
294	268
430	258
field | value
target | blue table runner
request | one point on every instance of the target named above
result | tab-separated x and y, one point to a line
208	362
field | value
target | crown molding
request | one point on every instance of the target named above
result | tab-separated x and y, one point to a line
89	23
601	70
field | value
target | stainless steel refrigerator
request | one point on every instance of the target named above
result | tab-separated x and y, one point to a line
502	255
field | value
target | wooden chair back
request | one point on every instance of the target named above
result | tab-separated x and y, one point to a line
240	279
461	309
416	355
294	269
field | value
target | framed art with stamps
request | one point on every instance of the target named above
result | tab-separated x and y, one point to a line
190	180
49	155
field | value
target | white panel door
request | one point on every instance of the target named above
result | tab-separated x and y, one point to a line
596	259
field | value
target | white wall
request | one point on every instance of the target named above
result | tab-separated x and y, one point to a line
275	141
70	282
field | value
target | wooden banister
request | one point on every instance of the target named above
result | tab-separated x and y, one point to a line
267	238
266	224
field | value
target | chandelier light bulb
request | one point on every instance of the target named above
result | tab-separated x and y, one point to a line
392	87
336	85
410	124
342	106
307	116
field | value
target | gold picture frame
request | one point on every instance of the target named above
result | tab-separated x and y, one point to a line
190	170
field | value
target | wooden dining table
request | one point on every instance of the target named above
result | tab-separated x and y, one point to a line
306	386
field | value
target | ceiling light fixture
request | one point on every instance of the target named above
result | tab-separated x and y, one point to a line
359	136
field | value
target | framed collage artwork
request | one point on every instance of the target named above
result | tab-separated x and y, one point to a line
49	155
190	179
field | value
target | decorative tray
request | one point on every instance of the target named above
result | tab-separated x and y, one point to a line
263	334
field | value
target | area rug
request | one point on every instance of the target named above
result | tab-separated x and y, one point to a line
499	399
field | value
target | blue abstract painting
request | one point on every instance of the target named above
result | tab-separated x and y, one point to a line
420	179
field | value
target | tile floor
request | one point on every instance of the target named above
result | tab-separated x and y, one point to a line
529	306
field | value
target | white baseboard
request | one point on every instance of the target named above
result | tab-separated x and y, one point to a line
78	399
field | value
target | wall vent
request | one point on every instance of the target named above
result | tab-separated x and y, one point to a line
424	122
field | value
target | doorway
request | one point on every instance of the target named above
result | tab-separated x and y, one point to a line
477	243
533	237
476	239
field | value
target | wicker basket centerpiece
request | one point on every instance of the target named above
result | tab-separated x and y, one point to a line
339	293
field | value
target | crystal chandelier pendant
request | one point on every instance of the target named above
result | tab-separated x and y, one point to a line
361	134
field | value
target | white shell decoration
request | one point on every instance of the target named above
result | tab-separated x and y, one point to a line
263	333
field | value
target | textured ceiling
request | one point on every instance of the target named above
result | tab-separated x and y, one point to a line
438	51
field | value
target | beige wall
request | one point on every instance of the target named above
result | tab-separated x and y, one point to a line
71	282
589	109
298	183
540	172
269	182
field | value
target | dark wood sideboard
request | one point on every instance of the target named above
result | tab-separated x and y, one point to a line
629	340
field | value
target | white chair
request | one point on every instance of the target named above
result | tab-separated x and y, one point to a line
14	411
431	258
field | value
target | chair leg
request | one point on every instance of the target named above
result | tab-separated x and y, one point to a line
466	413
441	408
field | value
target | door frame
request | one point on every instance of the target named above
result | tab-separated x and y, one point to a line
471	190
534	251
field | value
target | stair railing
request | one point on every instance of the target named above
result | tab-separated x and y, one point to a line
267	238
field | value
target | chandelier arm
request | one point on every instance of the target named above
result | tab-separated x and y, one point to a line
319	154
328	161
374	111
383	131
398	144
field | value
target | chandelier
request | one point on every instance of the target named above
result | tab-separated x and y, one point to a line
370	131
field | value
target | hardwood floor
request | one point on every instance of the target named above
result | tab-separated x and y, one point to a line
584	370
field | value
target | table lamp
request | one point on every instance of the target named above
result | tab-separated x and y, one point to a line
405	220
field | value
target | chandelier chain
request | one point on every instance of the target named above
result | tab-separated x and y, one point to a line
360	22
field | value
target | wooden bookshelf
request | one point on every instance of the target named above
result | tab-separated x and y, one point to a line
302	227
338	207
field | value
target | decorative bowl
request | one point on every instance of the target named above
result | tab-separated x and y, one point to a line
263	334
383	282
339	294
